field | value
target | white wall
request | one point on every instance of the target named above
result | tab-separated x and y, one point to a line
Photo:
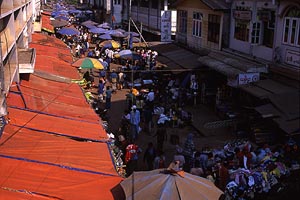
118	12
257	50
282	48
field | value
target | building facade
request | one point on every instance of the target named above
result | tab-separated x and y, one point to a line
286	50
256	57
148	13
268	30
16	26
202	24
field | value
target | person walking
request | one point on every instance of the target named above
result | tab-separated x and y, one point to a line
101	87
160	136
114	79
188	151
134	122
108	94
160	160
131	158
148	119
121	80
150	154
179	157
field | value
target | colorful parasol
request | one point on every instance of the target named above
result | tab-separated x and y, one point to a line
110	44
89	63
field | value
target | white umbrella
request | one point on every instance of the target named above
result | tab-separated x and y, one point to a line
104	25
97	30
116	33
105	36
157	184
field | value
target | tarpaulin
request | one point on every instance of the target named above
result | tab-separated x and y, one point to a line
46	23
45	147
40	181
56	124
49	41
54	146
53	98
54	59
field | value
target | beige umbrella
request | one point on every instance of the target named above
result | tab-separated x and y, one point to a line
165	186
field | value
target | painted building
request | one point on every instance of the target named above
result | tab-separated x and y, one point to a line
117	12
16	26
148	13
252	28
286	53
268	30
256	54
202	24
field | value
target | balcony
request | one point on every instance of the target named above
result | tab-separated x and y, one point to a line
26	59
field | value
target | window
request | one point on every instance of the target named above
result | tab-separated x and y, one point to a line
241	30
214	28
197	24
182	26
263	30
117	2
255	34
291	34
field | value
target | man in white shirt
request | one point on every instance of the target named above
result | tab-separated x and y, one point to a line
150	96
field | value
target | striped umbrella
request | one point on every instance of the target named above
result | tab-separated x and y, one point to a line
89	63
110	44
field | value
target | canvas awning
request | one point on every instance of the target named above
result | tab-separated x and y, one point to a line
54	146
289	123
267	88
267	110
46	24
231	66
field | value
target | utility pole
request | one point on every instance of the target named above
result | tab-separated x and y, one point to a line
129	16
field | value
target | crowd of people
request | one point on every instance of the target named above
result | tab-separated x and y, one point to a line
156	101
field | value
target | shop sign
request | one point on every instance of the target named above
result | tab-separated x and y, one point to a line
242	14
292	58
248	78
166	26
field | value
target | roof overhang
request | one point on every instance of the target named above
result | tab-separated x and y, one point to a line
233	67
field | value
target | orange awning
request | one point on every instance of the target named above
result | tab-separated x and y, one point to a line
31	180
46	23
54	146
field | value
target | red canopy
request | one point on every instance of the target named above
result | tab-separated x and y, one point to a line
54	145
46	25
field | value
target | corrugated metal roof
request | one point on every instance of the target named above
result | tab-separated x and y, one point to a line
213	4
217	4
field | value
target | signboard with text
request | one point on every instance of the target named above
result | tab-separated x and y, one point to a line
242	14
166	26
292	58
248	78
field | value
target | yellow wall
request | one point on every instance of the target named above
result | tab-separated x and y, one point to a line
197	6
